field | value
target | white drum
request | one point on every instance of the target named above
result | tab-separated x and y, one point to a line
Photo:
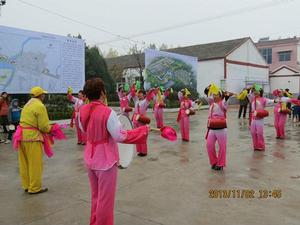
126	151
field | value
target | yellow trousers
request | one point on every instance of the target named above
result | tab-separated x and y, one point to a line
31	165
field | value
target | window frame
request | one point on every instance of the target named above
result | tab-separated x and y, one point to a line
286	56
267	54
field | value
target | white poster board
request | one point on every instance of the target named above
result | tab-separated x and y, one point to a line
169	69
30	59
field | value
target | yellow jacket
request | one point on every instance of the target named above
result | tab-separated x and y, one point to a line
242	95
34	114
289	95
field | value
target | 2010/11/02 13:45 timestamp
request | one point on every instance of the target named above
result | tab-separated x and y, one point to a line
244	193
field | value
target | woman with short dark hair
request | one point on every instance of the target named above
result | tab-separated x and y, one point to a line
103	130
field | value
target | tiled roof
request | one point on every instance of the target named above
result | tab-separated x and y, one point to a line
202	52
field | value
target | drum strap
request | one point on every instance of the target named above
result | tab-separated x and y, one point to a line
252	112
221	107
281	105
93	108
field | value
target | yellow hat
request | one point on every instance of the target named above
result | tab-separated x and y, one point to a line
187	93
213	89
37	91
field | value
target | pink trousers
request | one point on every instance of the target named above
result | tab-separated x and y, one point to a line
103	189
185	128
158	113
279	122
81	138
140	148
219	136
257	133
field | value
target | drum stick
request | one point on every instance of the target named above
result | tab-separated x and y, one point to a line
154	129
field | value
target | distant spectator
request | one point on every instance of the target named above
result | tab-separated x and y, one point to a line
4	104
289	95
14	115
244	101
296	112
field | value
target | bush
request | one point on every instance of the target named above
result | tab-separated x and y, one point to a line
114	104
112	97
58	107
23	98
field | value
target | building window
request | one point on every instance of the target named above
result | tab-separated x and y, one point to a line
267	54
223	84
284	56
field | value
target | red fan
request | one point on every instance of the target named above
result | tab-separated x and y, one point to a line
167	132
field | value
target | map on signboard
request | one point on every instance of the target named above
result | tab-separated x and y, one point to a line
169	69
30	59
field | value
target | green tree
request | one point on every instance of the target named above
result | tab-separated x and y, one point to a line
112	53
163	46
136	52
152	46
95	66
116	71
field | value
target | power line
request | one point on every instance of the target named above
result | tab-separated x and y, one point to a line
248	9
120	37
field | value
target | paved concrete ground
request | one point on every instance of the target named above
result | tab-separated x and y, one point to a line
169	187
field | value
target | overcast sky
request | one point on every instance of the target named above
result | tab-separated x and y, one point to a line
195	21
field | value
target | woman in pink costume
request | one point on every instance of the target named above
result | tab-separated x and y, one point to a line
103	131
217	129
281	111
258	102
78	103
159	105
183	118
124	99
141	104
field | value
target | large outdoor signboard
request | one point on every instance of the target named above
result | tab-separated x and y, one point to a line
170	70
30	59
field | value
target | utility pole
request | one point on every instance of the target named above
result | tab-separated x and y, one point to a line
2	3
